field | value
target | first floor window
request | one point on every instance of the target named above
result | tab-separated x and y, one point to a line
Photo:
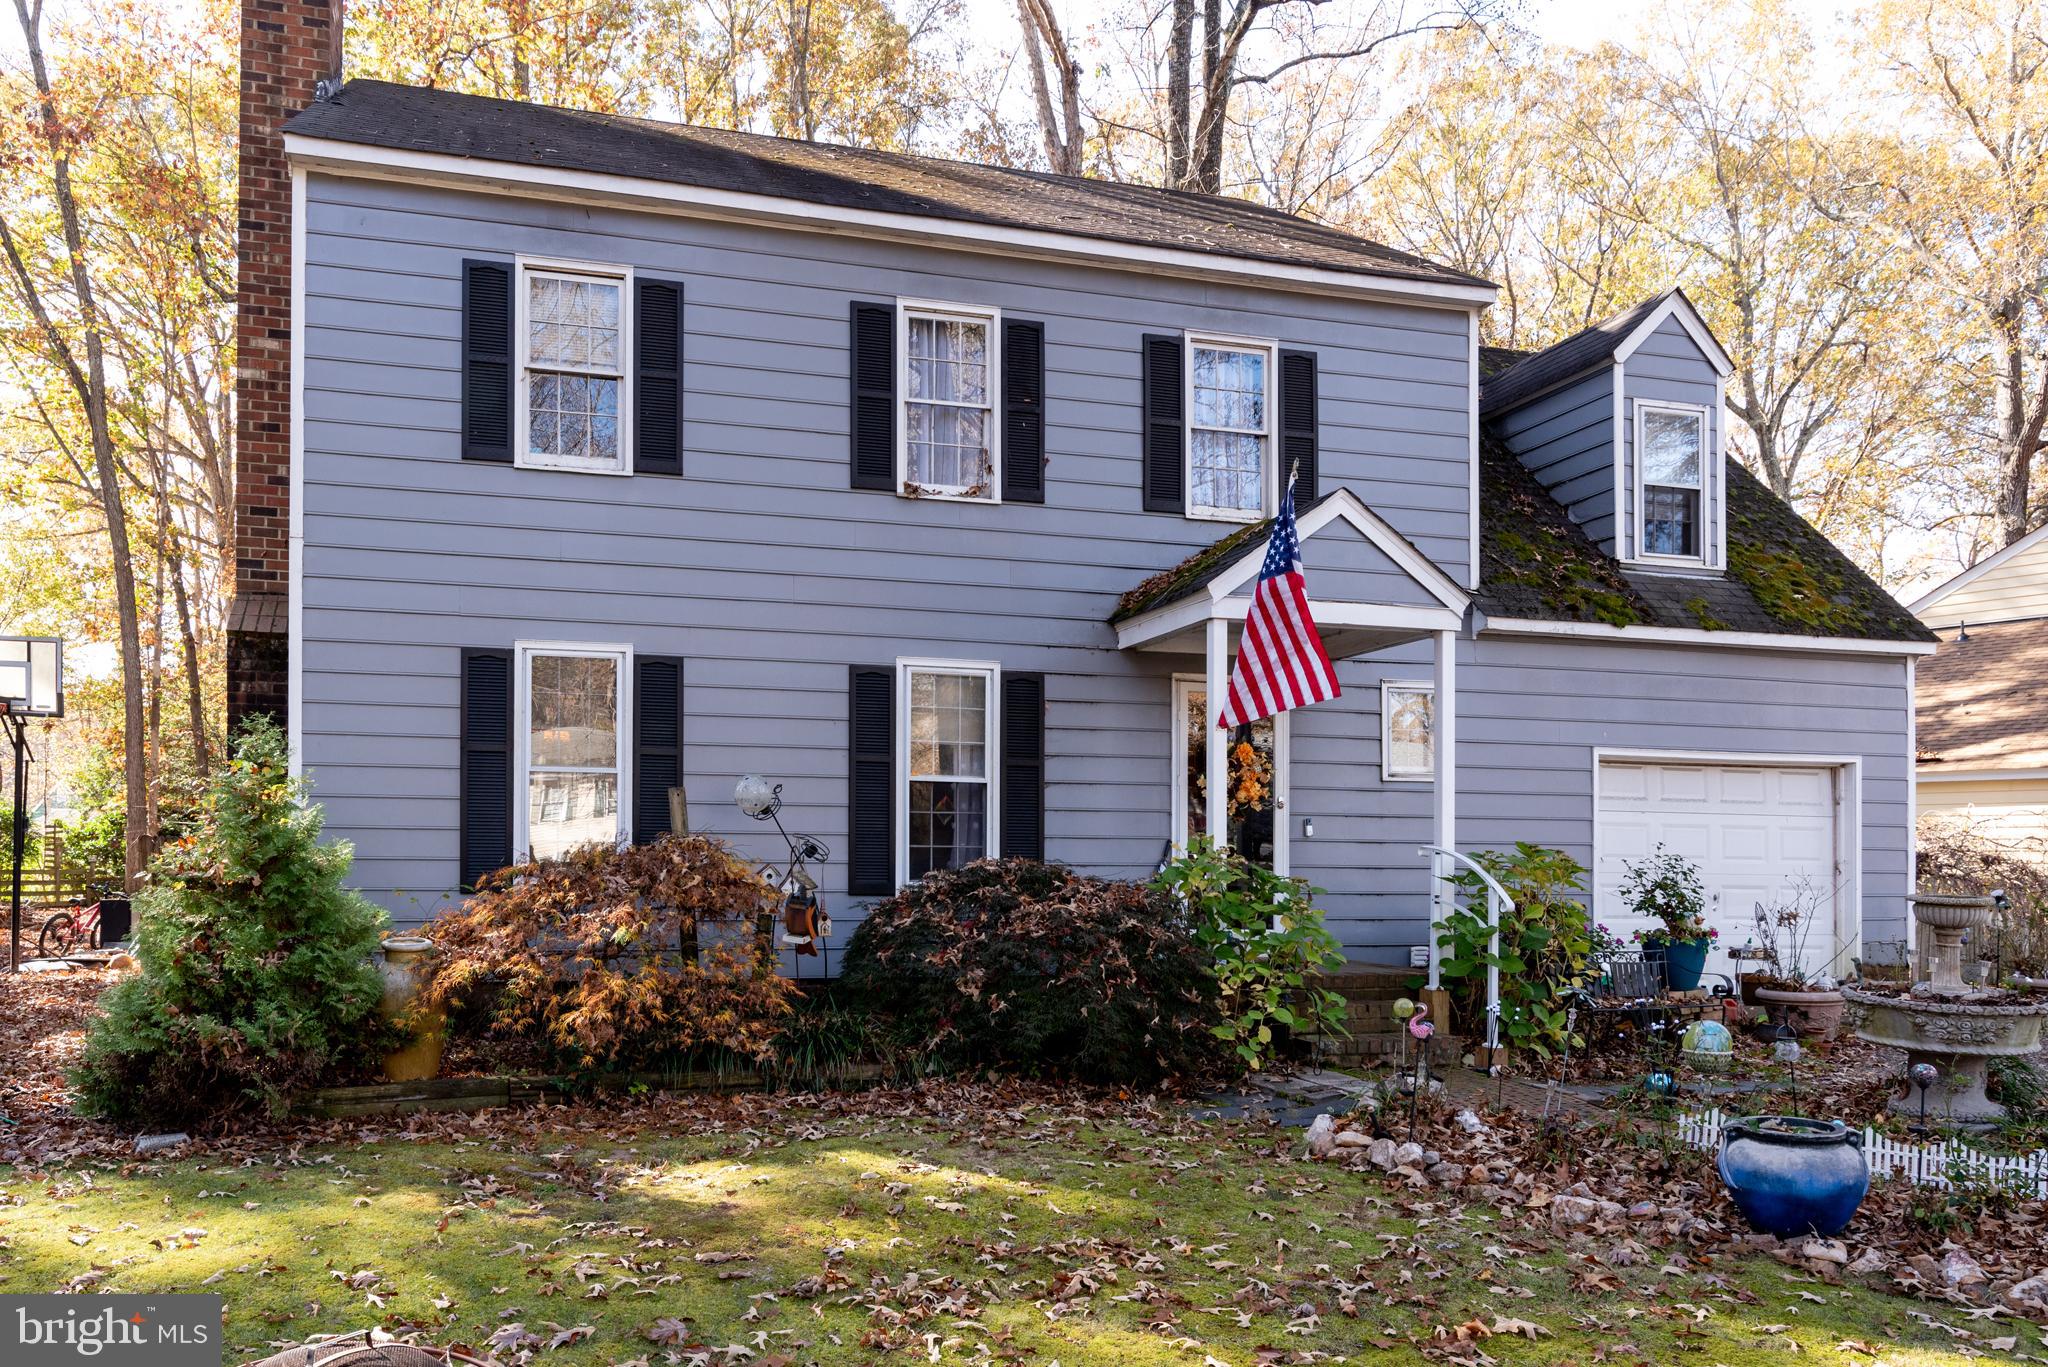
573	344
951	737
574	746
1253	825
1407	731
1671	443
949	396
1229	428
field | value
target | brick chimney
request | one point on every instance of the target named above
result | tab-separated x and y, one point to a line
288	48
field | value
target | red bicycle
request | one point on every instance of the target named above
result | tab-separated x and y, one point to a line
68	931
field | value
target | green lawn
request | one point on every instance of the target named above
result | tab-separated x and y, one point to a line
844	1237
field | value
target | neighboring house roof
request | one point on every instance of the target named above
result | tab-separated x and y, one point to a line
1998	559
1515	377
1784	578
1982	700
407	118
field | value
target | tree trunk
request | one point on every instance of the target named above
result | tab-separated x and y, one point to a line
1179	120
1061	128
2015	458
91	385
188	644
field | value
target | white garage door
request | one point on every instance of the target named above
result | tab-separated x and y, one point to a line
1757	832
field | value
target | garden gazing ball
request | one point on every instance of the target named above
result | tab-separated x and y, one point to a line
1708	1037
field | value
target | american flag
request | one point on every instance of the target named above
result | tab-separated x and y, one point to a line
1281	663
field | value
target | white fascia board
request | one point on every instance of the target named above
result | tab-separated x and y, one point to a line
1193	611
1676	305
588	187
1346	505
1976	571
1692	636
1937	772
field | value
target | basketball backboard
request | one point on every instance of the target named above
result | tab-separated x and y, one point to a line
31	676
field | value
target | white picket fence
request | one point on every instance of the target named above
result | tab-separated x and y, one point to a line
1944	1164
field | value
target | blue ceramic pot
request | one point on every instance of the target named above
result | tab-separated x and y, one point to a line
1684	961
1789	1175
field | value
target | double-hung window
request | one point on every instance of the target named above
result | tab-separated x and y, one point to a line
574	331
950	441
1407	732
1671	460
947	767
574	702
1230	428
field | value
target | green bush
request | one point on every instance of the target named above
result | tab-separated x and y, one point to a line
1265	942
1545	952
1020	965
31	853
256	962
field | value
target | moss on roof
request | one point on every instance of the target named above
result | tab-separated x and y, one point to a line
1783	577
1178	581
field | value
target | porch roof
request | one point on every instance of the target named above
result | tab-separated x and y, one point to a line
1168	610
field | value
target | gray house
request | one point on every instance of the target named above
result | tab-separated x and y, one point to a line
626	457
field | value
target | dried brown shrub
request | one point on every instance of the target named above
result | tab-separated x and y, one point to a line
617	957
1958	855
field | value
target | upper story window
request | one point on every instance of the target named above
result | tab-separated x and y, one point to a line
572	746
574	337
1230	428
1671	481
950	435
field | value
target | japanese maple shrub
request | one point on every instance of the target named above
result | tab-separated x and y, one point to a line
614	958
1030	967
1264	940
256	977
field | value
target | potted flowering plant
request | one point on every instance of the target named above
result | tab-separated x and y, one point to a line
1666	888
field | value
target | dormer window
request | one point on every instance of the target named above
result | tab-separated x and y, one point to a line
1671	492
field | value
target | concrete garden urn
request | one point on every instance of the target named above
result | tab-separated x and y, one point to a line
403	968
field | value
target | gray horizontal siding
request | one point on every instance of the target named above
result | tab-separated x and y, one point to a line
1566	439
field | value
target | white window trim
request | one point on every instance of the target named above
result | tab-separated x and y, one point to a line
523	653
522	445
1388	773
1710	486
1270	476
1177	766
979	313
993	672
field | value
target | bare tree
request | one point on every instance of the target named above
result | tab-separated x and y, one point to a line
1045	45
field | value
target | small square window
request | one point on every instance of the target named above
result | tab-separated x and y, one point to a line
1407	732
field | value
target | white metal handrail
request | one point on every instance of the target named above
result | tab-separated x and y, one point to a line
1497	901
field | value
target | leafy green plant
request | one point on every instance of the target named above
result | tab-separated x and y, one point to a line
256	971
1265	942
31	852
1666	888
1018	965
1546	944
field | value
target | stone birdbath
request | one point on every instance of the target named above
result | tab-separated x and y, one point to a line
1946	1023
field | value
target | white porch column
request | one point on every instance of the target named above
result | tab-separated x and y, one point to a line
1444	712
1217	804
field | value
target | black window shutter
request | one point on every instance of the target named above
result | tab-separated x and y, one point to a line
1023	741
1298	424
657	742
486	801
1023	411
657	377
871	814
487	361
1165	433
873	371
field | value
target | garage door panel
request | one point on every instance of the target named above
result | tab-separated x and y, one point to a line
1757	833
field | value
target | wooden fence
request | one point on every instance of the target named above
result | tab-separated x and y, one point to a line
45	881
1944	1163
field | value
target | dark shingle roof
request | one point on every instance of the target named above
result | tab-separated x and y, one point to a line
1784	578
380	114
1581	351
1983	699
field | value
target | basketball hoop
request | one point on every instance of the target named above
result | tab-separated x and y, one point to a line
31	685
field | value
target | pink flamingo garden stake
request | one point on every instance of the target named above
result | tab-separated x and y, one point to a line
1420	1028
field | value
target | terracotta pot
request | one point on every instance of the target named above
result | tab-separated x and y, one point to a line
404	973
1814	1013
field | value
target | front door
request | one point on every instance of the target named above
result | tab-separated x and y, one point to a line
1258	778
